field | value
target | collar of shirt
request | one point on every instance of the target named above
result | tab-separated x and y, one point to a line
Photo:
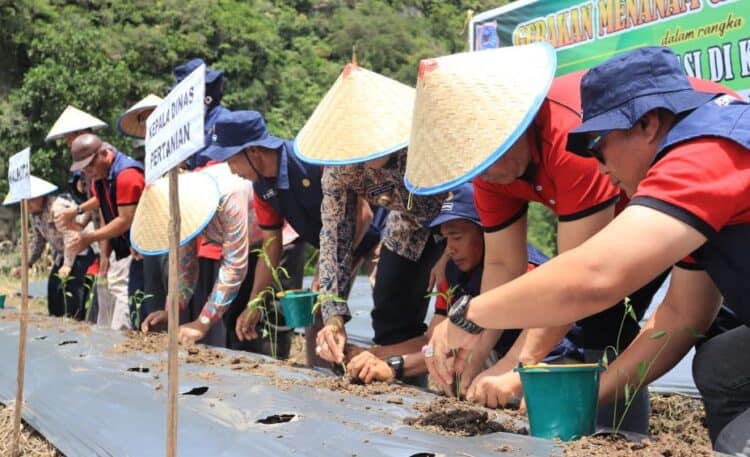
282	176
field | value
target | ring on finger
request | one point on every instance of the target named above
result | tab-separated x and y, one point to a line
428	351
318	349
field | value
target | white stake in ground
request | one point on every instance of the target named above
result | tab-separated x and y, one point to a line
174	131
19	177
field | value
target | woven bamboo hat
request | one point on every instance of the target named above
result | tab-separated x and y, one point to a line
132	122
363	116
199	200
469	111
39	188
73	120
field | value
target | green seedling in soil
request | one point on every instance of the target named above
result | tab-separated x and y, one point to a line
90	284
136	301
629	390
64	280
324	297
274	290
448	297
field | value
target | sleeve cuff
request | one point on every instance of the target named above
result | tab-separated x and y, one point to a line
677	212
588	211
509	222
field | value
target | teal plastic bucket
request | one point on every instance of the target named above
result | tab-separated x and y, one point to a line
2	301
561	400
297	308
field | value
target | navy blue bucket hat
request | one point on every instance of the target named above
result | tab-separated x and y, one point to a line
458	205
182	71
617	93
235	131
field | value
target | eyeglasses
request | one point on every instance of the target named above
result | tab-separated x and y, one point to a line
594	146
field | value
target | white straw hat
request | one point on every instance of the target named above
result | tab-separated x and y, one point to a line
470	110
39	188
73	120
199	199
132	122
363	116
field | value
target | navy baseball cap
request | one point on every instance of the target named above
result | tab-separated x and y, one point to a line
617	93
235	131
182	71
458	205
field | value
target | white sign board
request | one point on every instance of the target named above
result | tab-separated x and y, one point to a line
19	173
174	130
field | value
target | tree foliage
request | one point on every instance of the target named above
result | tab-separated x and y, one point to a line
279	57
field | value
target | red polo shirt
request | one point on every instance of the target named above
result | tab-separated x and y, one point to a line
268	218
702	182
571	186
129	186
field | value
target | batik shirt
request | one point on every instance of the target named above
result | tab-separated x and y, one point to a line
404	233
229	229
44	231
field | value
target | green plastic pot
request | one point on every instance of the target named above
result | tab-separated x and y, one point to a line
561	400
297	308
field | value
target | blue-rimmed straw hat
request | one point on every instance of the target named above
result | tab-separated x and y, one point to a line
470	109
39	188
199	199
363	116
132	122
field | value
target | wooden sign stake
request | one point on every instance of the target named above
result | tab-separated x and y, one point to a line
174	312
15	449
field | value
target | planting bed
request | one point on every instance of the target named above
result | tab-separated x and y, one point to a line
90	391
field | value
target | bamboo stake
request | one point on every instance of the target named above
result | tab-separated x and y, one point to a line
174	313
15	446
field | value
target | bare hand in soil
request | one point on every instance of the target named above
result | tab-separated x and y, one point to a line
495	390
192	332
331	340
440	365
367	367
155	322
245	327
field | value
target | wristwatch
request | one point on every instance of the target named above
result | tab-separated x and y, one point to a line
457	315
396	362
79	210
205	320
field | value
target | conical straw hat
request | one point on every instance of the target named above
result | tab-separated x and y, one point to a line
73	120
470	109
199	199
362	117
132	122
39	188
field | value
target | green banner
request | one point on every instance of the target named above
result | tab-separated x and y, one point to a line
711	37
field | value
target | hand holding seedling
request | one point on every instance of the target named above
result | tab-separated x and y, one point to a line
246	323
331	340
367	367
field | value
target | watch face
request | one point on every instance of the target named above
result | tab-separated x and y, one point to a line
395	360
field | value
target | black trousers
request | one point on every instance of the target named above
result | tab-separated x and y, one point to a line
70	300
721	370
400	294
